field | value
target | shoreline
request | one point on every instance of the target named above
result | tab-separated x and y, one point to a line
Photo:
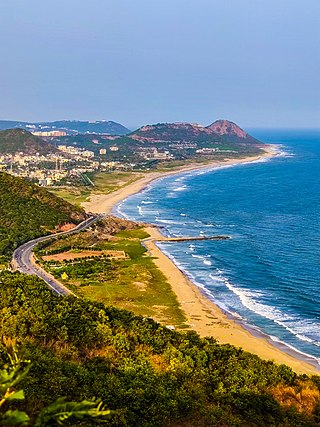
203	315
105	203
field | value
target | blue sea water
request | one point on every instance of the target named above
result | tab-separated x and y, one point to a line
268	272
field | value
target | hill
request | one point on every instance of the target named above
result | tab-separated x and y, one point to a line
28	211
19	140
69	126
146	374
221	132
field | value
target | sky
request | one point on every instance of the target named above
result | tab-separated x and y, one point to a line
255	62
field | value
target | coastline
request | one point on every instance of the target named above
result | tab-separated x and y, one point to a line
202	314
105	203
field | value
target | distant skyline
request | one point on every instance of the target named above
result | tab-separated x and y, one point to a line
254	62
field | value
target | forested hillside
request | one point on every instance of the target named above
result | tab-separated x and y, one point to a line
147	374
28	211
19	140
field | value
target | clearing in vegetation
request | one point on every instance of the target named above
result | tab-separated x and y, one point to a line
108	263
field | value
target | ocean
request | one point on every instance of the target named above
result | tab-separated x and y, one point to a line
268	273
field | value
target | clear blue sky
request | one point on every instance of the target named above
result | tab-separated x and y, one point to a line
256	62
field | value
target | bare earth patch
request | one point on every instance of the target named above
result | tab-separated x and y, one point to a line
66	256
140	285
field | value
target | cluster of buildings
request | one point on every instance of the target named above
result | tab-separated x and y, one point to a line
67	164
77	153
52	133
152	153
45	170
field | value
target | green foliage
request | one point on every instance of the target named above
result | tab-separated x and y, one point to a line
55	414
28	211
61	411
146	374
10	375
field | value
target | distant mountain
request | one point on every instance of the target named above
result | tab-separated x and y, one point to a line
19	140
69	126
221	131
28	211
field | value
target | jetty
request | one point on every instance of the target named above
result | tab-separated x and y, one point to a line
187	239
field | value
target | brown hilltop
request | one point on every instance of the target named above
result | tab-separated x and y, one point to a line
225	127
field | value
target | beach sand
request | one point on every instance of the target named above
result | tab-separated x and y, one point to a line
202	314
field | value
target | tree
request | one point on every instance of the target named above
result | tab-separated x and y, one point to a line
56	414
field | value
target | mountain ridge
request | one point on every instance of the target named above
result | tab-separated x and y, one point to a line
69	126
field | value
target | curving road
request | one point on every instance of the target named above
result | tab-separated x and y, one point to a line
22	257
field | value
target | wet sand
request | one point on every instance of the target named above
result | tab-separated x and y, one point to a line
202	314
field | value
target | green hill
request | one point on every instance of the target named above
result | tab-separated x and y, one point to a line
219	132
28	211
19	140
148	375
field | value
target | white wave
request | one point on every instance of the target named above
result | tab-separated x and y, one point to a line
198	256
203	258
147	202
182	188
140	210
167	221
281	150
303	330
248	300
277	340
119	211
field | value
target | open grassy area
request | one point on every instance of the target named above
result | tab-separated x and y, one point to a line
104	183
112	181
74	195
135	283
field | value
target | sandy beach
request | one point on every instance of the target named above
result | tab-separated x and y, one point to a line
202	314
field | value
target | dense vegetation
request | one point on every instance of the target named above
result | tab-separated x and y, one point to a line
19	140
147	374
12	372
27	211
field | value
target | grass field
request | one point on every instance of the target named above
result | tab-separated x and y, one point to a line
135	283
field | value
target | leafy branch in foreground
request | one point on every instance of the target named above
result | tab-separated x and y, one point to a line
60	411
10	375
56	414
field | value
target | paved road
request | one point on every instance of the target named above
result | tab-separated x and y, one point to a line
22	257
